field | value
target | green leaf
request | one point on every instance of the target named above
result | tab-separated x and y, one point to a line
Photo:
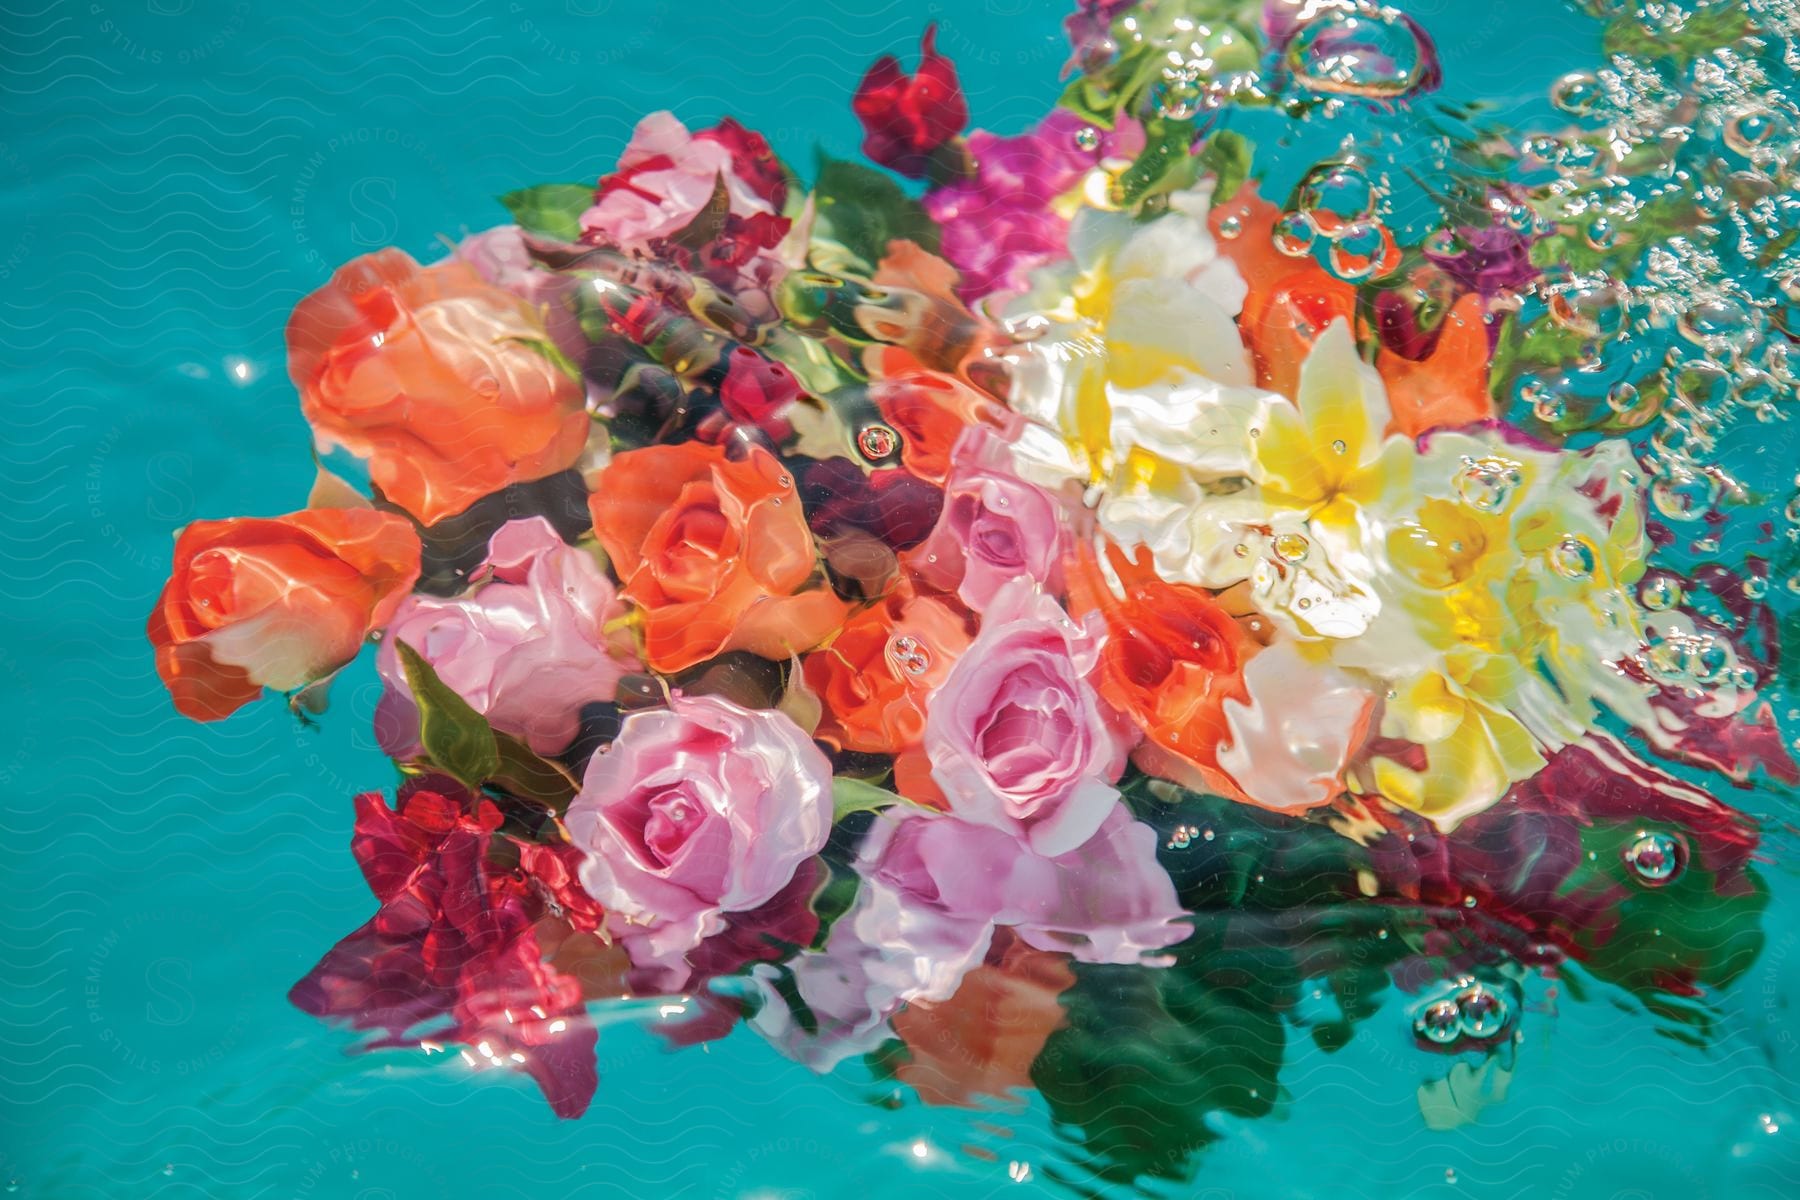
552	209
854	795
1164	165
553	352
1706	30
523	773
1227	155
862	210
456	738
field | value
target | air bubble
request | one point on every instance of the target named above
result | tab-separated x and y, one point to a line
1655	857
877	441
1294	234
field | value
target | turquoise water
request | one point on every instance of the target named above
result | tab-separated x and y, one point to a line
177	175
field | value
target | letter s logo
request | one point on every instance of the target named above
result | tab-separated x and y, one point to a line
167	496
172	1001
375	222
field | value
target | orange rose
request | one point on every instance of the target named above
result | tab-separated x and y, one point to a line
875	675
1293	301
983	1040
277	603
1173	657
427	372
928	409
715	554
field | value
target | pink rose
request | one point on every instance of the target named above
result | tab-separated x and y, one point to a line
697	810
1016	736
526	647
995	527
667	175
933	889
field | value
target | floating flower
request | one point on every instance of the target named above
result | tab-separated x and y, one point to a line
1017	736
277	603
714	552
527	648
696	811
876	677
995	527
432	375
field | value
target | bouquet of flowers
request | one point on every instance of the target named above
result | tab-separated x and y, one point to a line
853	611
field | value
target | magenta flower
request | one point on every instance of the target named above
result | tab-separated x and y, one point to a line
452	941
998	225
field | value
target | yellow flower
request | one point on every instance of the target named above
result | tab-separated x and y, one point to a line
1504	607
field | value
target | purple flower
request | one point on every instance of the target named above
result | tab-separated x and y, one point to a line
1090	30
933	890
1492	260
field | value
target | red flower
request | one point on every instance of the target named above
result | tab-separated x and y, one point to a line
905	118
756	388
454	940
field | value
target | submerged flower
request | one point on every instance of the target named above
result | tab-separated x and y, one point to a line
995	527
667	177
453	940
1017	737
905	118
527	647
1139	365
1504	613
1435	382
875	678
277	603
714	552
436	378
934	891
1002	220
695	812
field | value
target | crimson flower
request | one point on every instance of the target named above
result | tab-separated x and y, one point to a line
455	940
906	118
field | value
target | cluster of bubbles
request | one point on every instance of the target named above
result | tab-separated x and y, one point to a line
1463	1011
1336	214
1671	194
1214	53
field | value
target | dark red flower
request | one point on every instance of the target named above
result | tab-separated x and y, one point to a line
756	388
454	940
889	504
907	117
